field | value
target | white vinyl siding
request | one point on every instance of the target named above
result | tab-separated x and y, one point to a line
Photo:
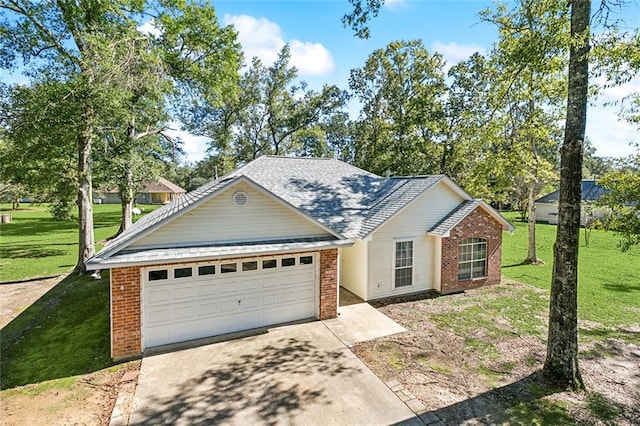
413	222
353	268
220	220
547	212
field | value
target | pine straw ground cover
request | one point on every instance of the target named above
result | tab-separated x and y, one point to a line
475	358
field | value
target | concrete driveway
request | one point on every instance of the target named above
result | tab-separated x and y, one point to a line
296	374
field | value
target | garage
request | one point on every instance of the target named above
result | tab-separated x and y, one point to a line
191	301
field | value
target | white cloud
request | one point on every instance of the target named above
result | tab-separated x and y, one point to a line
395	5
311	58
149	28
454	52
263	39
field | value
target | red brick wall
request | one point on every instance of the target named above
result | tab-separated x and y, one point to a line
125	312
478	224
328	284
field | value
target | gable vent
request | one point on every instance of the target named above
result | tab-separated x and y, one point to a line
240	198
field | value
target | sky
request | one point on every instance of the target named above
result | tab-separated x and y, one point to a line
324	52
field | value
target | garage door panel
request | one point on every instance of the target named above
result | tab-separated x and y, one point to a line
251	284
184	292
249	303
195	307
157	296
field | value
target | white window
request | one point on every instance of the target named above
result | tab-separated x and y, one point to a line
403	263
472	259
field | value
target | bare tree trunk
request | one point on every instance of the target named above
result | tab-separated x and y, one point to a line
531	214
127	194
561	364
86	248
532	258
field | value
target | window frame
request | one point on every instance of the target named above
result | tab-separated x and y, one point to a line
473	242
395	268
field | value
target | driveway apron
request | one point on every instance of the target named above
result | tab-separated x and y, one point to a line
297	374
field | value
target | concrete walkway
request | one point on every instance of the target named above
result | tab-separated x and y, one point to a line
297	374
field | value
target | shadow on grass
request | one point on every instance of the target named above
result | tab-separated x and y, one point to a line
32	251
520	402
37	226
62	334
622	288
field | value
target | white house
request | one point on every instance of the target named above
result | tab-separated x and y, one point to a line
273	242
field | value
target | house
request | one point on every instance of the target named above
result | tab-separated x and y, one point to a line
160	192
273	242
547	206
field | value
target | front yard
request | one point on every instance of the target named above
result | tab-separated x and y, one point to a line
472	357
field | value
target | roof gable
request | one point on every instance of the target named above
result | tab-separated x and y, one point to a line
444	227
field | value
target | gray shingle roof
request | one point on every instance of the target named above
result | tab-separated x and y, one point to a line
183	254
348	200
591	191
452	219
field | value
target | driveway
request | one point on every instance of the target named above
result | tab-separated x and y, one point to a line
296	374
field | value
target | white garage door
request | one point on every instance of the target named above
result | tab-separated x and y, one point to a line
206	299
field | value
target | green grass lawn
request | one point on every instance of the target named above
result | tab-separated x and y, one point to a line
63	334
608	279
34	245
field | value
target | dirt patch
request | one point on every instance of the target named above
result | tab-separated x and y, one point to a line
19	296
81	400
475	358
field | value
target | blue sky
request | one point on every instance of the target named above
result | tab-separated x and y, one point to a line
324	52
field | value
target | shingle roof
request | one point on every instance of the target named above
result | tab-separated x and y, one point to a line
163	185
452	219
591	191
183	254
348	200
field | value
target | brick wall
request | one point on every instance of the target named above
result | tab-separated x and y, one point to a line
328	284
478	224
125	312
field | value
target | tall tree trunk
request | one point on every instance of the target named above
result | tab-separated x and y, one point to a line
561	364
532	258
86	248
126	201
531	222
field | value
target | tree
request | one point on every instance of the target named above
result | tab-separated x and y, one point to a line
95	48
561	363
624	201
65	40
530	57
270	112
401	88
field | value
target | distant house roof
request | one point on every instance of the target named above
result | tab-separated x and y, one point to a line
346	200
591	191
162	185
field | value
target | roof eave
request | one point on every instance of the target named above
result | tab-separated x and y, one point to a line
97	263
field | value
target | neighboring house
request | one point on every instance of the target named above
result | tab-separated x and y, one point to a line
160	192
273	241
547	206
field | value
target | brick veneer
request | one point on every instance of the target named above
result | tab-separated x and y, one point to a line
478	224
125	312
328	284
126	324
